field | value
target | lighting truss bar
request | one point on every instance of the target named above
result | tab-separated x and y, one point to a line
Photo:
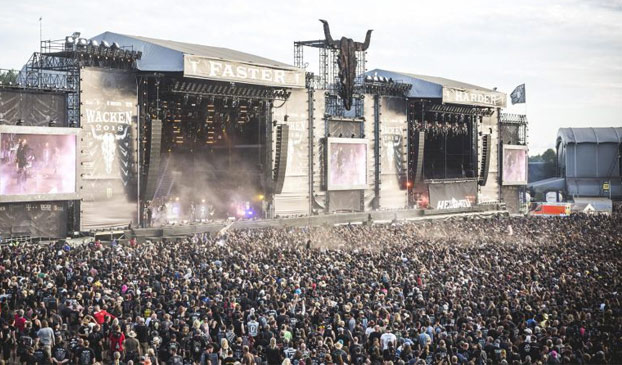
387	88
513	118
459	109
229	90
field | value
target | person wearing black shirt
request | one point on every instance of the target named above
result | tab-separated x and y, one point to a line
85	355
7	339
142	334
175	359
96	340
60	354
196	346
39	356
25	347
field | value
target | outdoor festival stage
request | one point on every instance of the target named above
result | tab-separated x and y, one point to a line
332	219
157	131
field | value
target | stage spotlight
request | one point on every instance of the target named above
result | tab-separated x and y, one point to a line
116	45
94	43
20	122
82	42
69	40
105	44
52	123
76	35
260	197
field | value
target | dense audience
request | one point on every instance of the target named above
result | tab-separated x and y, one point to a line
460	291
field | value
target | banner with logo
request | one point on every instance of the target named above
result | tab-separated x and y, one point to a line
493	99
40	220
231	71
453	194
109	141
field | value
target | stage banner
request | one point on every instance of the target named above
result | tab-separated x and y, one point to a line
231	71
37	220
492	99
452	194
393	147
34	109
109	132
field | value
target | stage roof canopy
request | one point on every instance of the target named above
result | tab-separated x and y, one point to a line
589	135
450	91
215	63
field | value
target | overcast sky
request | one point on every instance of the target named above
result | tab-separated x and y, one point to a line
569	53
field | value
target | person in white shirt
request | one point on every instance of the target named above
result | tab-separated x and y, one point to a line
387	337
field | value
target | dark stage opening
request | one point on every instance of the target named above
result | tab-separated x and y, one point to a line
448	155
213	158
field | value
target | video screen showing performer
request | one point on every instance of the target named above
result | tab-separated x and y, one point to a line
514	166
347	164
37	164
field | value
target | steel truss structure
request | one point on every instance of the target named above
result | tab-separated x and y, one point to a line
513	125
327	77
57	67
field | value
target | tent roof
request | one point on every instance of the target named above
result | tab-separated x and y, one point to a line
168	56
550	184
425	86
589	135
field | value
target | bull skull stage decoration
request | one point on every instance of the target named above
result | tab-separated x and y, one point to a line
346	61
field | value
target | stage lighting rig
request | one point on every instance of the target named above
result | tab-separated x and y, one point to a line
69	43
82	42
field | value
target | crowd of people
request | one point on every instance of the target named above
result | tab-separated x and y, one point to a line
503	290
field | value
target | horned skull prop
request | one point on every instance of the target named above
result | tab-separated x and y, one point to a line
346	61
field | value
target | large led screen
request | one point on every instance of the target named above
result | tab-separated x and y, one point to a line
347	164
514	165
37	164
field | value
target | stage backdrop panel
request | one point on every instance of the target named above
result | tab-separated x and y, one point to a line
452	194
294	199
42	220
392	153
109	132
34	109
490	192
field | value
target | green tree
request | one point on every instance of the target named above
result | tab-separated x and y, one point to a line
549	156
8	77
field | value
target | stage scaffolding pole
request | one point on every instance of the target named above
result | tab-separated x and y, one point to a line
138	148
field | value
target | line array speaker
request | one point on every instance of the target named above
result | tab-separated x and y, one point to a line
420	148
154	159
485	161
280	157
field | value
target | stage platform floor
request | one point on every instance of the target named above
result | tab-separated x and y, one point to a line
326	219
